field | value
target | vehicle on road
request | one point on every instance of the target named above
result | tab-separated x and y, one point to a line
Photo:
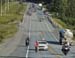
40	6
42	45
65	48
29	13
27	41
33	5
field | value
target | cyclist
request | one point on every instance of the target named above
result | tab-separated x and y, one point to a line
27	41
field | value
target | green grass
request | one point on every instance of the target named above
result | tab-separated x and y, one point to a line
59	22
7	26
9	29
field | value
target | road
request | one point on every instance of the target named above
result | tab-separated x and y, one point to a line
36	30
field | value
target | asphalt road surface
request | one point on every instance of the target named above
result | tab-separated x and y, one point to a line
37	30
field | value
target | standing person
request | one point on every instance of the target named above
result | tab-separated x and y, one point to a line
36	46
61	35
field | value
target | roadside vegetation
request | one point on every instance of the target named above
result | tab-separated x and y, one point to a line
10	18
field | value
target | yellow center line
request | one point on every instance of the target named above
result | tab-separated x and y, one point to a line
53	51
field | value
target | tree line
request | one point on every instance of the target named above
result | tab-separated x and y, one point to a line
63	9
3	1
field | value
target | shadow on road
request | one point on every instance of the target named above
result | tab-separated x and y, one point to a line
38	50
53	42
32	49
56	54
43	50
21	45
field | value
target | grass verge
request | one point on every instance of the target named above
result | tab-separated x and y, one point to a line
10	19
59	22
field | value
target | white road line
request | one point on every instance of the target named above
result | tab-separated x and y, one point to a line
50	30
29	37
27	52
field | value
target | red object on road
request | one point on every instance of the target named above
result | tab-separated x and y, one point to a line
36	44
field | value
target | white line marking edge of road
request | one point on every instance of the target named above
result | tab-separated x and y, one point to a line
27	52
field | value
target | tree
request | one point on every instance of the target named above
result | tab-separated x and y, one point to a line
71	8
